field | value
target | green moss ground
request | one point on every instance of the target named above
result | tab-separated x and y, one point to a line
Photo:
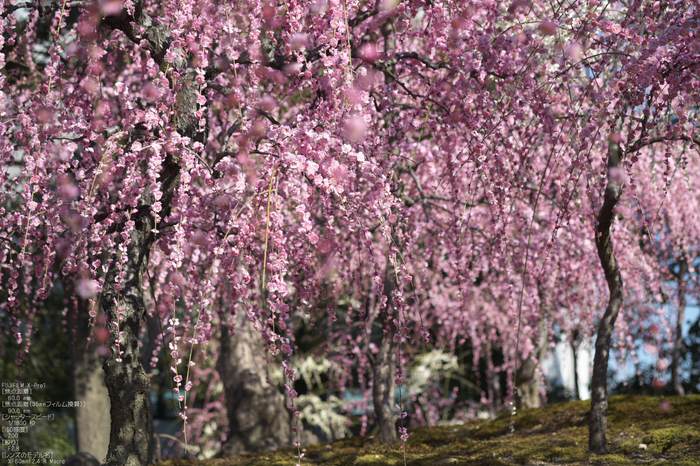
556	434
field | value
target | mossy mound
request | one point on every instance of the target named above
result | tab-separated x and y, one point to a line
641	430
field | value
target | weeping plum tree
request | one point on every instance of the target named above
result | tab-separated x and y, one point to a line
284	156
671	239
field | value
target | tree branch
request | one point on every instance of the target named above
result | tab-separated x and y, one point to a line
640	143
361	17
406	55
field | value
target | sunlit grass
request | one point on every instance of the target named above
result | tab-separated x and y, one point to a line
640	431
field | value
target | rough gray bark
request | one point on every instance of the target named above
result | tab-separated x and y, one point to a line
125	378
91	421
81	459
257	416
599	398
527	379
384	370
678	342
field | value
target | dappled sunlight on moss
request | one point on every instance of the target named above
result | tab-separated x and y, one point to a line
376	459
673	438
556	434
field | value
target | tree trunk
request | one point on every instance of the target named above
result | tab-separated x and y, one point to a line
257	417
91	421
149	352
384	370
384	390
126	380
493	384
678	342
574	352
528	378
599	398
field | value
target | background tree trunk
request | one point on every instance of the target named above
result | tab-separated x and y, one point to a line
257	417
384	370
574	352
493	382
678	342
528	378
384	390
92	422
599	398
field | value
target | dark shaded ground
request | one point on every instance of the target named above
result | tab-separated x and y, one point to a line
641	430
